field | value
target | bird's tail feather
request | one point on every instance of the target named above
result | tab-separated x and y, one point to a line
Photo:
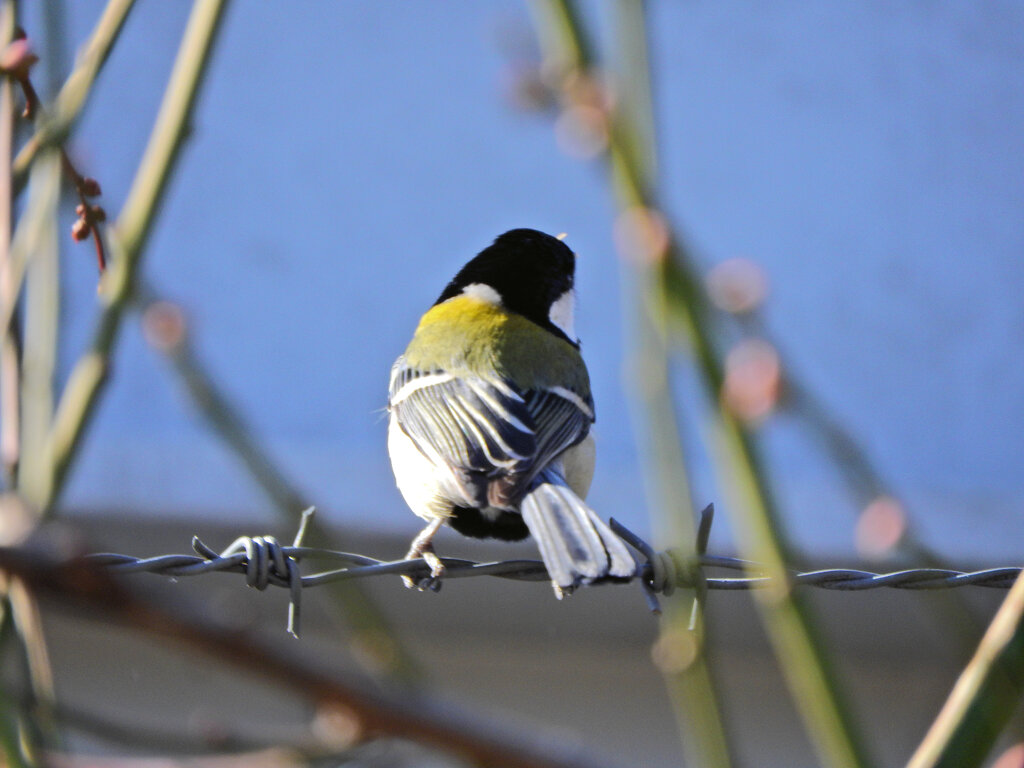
577	546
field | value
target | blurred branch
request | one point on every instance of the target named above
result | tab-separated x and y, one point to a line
29	626
984	697
18	746
685	310
17	751
42	317
56	127
199	742
18	59
128	236
28	238
680	650
42	281
35	236
270	757
370	710
10	282
166	329
885	526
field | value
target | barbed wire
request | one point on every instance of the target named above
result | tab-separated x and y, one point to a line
266	562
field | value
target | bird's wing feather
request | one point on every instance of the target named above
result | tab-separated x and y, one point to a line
559	422
470	423
497	437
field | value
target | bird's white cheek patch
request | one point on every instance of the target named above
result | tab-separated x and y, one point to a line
483	292
561	314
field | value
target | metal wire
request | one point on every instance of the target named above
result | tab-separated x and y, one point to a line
266	562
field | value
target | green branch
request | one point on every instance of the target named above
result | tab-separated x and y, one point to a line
681	298
128	235
73	95
985	696
11	273
41	317
680	650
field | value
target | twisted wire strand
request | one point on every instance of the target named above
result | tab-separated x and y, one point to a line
361	566
266	562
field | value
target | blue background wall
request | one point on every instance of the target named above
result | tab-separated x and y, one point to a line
348	157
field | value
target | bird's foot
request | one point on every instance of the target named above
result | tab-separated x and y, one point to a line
422	547
431	582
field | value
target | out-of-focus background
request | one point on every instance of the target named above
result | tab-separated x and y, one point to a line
346	158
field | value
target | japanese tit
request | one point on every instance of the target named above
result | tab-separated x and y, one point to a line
490	412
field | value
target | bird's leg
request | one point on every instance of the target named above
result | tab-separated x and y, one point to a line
422	546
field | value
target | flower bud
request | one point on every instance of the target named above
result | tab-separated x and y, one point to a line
80	230
90	187
17	59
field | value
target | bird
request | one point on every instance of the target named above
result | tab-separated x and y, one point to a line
490	414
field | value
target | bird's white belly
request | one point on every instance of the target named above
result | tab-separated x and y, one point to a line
420	480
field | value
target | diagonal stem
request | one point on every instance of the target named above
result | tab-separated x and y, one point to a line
786	617
680	650
57	126
985	696
10	375
128	237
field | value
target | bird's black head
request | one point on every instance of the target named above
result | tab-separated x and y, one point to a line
530	271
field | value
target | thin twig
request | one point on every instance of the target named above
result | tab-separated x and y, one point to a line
10	376
217	742
55	129
41	314
129	236
29	625
89	214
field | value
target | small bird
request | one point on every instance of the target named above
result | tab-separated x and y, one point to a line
490	412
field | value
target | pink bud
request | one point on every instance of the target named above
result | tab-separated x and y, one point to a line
80	230
17	58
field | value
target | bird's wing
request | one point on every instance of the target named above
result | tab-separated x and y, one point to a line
470	423
496	437
561	418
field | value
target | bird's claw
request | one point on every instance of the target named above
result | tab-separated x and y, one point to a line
431	582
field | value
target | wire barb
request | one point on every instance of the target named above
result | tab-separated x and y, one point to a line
661	574
267	562
658	576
